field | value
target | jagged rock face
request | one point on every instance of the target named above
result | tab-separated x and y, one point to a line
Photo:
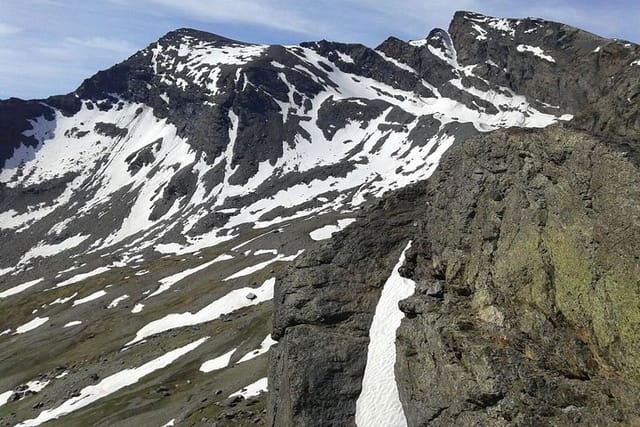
527	238
526	303
530	241
593	77
323	309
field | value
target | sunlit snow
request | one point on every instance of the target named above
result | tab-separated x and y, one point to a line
253	389
217	363
265	345
167	282
379	403
83	276
31	325
20	288
229	303
117	301
111	384
88	298
328	230
74	323
257	267
537	51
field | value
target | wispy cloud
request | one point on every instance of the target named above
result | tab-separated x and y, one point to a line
6	29
102	43
283	15
36	68
77	49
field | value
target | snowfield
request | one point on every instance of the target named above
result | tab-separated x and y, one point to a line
379	402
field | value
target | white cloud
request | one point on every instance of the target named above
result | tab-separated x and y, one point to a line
39	68
287	16
6	29
102	43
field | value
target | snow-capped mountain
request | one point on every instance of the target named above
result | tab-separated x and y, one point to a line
145	216
196	138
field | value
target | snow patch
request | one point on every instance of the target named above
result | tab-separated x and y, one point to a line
80	277
327	231
44	250
265	252
537	51
62	300
167	282
20	288
111	384
265	345
31	325
482	33
379	401
344	57
503	25
254	268
229	303
253	389
74	323
418	43
118	300
92	297
396	62
217	363
4	397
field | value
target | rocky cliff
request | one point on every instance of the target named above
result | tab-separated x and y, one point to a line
526	308
524	256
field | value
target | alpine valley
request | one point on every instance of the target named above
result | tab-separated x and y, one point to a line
442	231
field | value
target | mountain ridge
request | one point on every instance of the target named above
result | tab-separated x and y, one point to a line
187	176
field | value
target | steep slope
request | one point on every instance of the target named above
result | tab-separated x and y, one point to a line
146	216
199	137
521	253
536	318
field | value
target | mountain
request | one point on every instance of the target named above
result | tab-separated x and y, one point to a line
150	218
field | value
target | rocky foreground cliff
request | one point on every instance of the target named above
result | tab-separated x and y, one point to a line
527	307
524	254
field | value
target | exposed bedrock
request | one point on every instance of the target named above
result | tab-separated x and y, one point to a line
530	239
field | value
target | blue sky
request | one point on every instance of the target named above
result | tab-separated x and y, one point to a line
48	47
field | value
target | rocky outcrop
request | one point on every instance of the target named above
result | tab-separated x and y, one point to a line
209	148
525	254
529	238
323	309
594	78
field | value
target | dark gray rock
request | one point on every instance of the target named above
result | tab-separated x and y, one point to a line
495	333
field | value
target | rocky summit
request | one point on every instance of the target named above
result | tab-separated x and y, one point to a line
433	232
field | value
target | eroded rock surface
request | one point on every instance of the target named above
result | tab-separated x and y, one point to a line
526	308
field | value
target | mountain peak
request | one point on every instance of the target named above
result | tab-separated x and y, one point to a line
178	35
